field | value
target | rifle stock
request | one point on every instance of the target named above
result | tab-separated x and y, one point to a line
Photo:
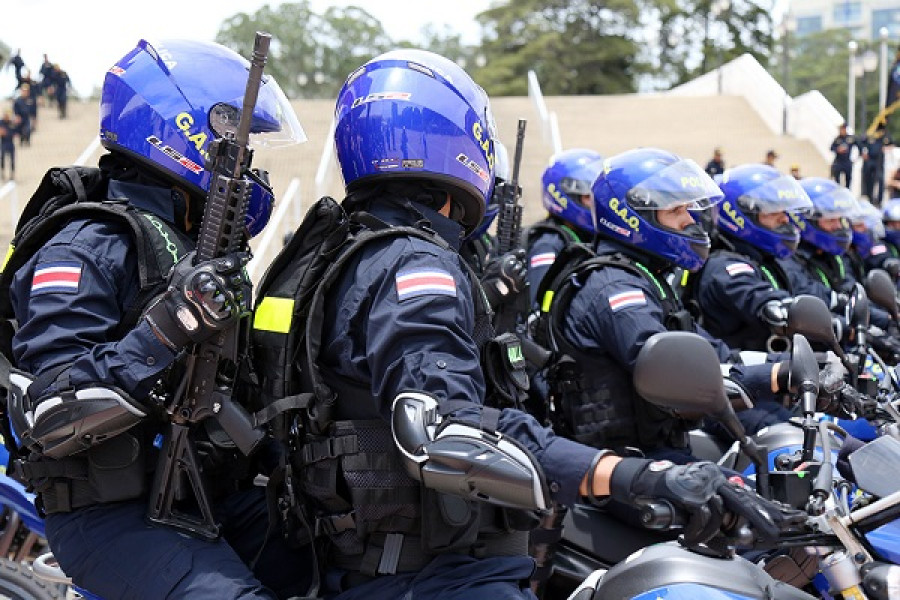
211	366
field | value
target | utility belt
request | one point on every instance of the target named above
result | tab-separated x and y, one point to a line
113	471
118	470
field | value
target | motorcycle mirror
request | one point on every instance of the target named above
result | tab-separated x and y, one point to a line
810	316
858	307
679	370
880	288
804	373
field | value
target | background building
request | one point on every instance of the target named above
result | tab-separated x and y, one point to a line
863	18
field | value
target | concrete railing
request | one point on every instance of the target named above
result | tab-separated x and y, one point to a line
809	116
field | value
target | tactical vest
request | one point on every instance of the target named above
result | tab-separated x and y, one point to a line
830	269
551	225
750	336
598	408
343	477
103	473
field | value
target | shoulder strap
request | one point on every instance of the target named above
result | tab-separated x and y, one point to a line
551	226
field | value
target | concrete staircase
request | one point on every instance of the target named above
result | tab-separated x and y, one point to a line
688	126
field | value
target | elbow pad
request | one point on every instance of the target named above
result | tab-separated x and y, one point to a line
462	460
774	313
63	423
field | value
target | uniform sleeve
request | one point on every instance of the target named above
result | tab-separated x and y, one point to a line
804	283
69	301
739	290
540	257
419	334
616	317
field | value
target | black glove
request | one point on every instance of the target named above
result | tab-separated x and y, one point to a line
887	347
201	300
767	518
831	382
848	447
504	277
701	490
854	404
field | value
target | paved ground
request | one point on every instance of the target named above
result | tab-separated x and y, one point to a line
690	127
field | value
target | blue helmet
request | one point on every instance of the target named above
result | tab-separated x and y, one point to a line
571	173
830	200
868	221
162	105
635	185
891	212
412	114
755	189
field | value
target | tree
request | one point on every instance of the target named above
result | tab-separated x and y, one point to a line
311	55
819	61
696	36
574	47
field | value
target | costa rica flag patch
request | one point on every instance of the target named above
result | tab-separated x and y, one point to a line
626	299
739	268
57	276
543	260
412	283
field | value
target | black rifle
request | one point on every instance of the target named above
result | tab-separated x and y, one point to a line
509	237
509	221
206	389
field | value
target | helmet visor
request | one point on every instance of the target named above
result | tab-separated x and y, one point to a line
784	194
839	202
680	184
576	187
274	122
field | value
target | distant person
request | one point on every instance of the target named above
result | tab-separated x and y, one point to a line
22	110
872	148
771	157
842	146
7	143
795	171
716	165
61	85
47	80
16	62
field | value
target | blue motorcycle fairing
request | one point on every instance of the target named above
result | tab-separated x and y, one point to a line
790	449
14	496
689	591
886	541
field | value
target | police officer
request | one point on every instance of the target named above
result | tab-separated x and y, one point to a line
842	165
819	266
872	149
566	194
885	253
601	317
400	347
868	231
103	319
741	290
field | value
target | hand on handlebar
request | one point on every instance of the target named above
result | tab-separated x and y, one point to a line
701	492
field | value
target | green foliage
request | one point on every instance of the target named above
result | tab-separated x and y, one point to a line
311	54
695	36
574	46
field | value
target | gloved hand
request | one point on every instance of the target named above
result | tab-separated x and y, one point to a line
701	490
848	403
201	300
504	277
839	301
831	381
887	347
774	313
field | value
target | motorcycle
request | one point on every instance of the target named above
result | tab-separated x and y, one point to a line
855	543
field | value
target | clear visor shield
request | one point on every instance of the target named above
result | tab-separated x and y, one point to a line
784	194
576	187
869	217
681	184
836	203
274	122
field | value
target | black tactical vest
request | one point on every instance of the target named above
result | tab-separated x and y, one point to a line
599	406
